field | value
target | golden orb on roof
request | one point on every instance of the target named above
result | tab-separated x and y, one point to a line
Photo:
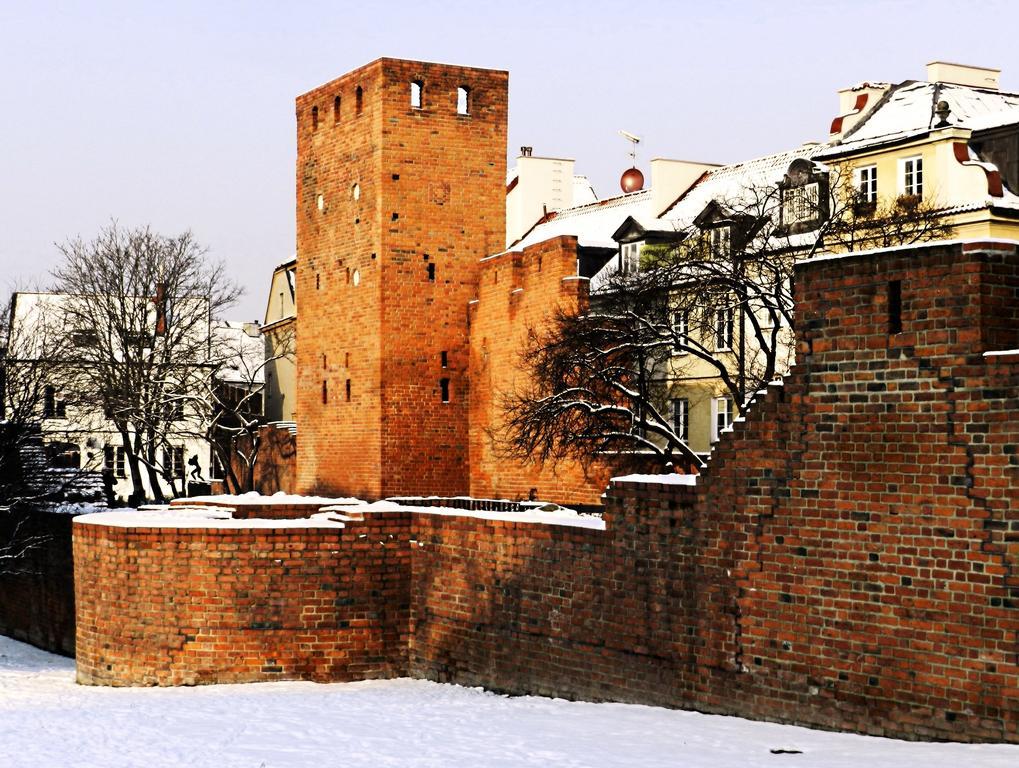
632	180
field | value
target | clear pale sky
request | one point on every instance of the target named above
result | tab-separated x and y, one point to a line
180	114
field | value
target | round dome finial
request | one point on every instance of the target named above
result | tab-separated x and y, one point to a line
632	180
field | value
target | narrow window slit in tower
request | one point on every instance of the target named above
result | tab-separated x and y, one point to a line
336	110
463	100
444	387
431	273
318	281
325	392
348	390
395	215
416	88
314	118
358	100
894	306
444	356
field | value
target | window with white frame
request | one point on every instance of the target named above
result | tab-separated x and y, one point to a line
912	176
866	183
721	416
629	257
173	461
681	418
718	241
724	325
680	330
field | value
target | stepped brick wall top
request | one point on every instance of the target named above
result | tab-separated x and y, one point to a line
850	558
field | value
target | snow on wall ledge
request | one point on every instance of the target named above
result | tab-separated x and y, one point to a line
848	560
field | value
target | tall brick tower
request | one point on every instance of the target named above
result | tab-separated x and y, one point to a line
401	173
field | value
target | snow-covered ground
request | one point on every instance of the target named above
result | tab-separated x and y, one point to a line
46	721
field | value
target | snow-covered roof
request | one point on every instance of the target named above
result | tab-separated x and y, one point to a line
242	348
732	182
908	110
592	224
583	192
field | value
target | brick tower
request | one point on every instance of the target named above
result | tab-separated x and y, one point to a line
401	171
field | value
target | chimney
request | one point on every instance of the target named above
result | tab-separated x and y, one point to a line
854	103
961	74
541	184
671	178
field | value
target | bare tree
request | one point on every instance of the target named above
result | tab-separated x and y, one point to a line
140	306
863	223
718	301
232	400
31	376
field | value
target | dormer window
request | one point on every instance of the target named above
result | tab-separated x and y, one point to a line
629	257
717	239
416	89
800	204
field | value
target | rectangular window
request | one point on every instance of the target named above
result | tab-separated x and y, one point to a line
629	258
120	465
895	306
444	387
721	416
912	176
108	458
681	418
799	204
173	461
416	88
866	184
463	100
680	330
718	239
724	326
174	406
84	339
216	470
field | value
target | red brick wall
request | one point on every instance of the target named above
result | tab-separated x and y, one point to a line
432	193
519	291
850	558
159	606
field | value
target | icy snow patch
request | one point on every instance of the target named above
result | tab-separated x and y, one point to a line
668	479
253	497
561	516
197	517
47	720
